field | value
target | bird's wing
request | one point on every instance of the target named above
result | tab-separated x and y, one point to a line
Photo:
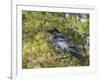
73	49
65	43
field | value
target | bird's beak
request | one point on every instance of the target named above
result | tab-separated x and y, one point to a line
49	31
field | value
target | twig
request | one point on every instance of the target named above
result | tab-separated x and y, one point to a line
76	30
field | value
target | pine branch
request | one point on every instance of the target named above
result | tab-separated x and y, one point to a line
80	32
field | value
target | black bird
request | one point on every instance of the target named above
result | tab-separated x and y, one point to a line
63	44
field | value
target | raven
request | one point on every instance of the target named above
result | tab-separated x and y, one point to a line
63	44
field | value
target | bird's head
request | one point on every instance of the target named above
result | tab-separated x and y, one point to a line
53	31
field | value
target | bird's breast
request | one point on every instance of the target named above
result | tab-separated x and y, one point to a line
62	45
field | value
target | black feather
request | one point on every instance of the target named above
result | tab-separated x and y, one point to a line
78	56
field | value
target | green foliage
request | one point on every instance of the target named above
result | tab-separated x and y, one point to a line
38	51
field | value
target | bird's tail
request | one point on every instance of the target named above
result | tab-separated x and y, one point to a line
79	57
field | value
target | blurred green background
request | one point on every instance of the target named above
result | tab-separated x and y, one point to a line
38	51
